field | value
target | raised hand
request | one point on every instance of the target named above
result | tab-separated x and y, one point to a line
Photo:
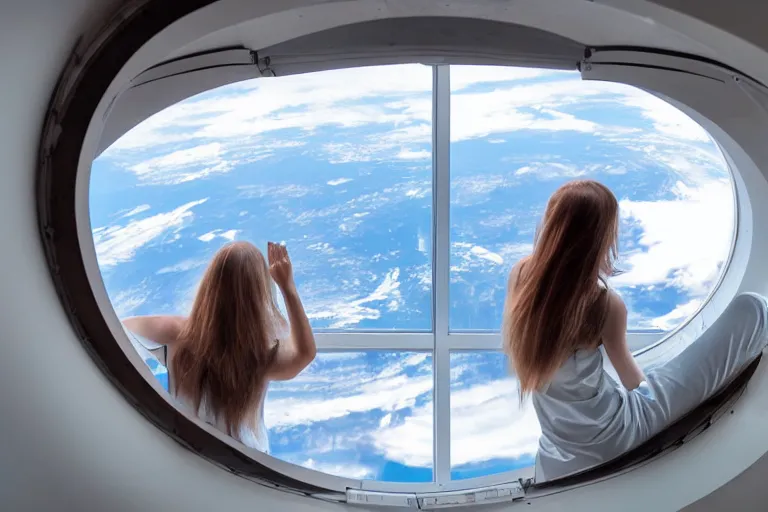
280	265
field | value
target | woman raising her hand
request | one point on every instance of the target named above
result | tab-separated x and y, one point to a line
235	340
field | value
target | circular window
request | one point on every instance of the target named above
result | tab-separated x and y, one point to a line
402	238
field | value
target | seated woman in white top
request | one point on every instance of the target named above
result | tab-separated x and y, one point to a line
222	357
559	312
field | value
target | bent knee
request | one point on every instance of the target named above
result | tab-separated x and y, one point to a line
746	317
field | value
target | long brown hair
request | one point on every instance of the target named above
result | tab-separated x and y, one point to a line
559	305
228	342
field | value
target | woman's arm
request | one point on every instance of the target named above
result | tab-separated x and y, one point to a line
162	329
615	343
297	352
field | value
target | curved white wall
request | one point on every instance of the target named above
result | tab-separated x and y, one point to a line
69	441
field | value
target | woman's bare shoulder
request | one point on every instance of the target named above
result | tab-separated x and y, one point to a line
517	266
514	274
617	310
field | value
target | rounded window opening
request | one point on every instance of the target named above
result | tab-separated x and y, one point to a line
339	166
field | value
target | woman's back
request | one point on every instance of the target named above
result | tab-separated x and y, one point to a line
579	380
252	433
252	430
577	409
586	417
222	357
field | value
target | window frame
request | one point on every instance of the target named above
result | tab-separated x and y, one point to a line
440	341
69	140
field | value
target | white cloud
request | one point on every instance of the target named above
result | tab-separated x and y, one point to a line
551	170
333	374
229	235
139	209
409	442
515	251
666	118
481	114
471	257
127	301
482	252
116	244
344	153
539	106
290	191
362	205
487	422
335	98
422	274
407	154
416	359
463	77
352	391
337	182
684	241
339	356
346	470
473	190
183	165
306	102
676	316
222	131
383	146
207	237
182	266
335	387
218	233
347	312
322	247
418	193
501	219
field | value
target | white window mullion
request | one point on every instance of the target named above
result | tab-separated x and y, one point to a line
352	341
638	341
441	196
